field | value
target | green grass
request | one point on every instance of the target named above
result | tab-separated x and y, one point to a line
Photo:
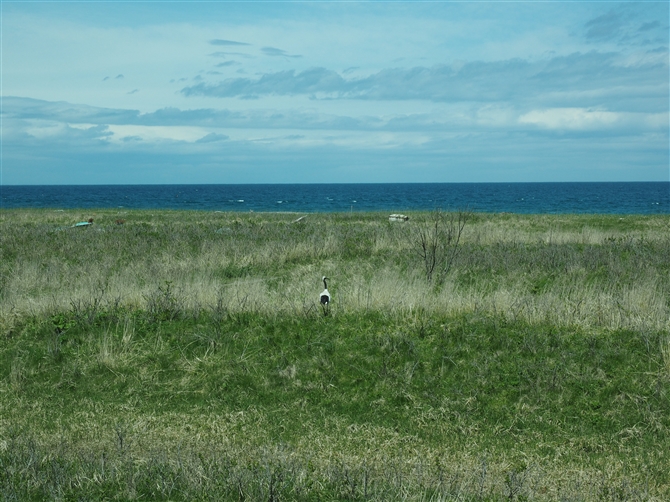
183	356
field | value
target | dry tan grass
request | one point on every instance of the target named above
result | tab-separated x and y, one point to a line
641	306
281	272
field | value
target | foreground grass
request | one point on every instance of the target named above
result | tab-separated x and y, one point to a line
181	356
353	407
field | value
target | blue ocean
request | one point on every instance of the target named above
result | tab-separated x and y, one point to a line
529	198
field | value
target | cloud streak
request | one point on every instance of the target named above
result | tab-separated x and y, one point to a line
622	26
559	81
273	51
212	138
43	120
226	42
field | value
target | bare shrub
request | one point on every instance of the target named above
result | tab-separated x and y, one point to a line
85	311
435	241
164	304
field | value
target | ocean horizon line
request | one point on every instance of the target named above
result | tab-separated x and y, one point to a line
336	183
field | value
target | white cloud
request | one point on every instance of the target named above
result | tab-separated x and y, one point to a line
158	133
583	119
570	118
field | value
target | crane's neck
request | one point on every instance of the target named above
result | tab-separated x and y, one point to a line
324	283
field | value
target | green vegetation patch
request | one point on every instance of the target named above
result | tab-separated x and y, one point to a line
510	395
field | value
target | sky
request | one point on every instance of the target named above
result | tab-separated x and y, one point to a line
156	92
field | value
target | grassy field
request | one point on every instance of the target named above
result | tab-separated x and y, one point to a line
184	356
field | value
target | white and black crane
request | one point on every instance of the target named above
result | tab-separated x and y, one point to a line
324	297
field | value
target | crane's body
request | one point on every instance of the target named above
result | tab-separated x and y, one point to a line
325	294
324	298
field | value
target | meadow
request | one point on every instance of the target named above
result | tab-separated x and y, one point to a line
175	355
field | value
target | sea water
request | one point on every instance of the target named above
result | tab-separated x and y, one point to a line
530	198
